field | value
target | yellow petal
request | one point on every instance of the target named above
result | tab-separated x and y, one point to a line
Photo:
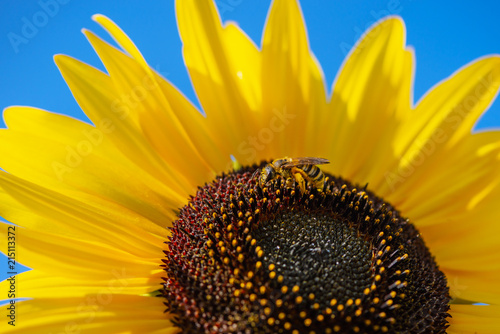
42	210
46	284
474	319
189	125
443	182
370	99
450	109
473	227
158	121
79	259
293	88
479	286
74	158
97	314
93	90
224	66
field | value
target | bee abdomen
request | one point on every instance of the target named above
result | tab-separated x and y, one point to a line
314	172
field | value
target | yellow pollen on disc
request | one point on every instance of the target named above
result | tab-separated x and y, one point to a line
241	234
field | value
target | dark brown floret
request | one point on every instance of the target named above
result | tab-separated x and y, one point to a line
246	259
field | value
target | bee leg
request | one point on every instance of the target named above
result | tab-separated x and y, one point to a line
289	183
297	174
320	184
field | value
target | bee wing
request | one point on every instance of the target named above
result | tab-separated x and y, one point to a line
306	161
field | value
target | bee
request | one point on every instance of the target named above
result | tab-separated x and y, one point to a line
293	170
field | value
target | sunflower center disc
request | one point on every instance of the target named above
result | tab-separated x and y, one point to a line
250	258
326	258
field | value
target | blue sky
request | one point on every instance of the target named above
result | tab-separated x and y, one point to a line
445	35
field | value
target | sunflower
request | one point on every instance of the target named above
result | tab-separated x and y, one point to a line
159	219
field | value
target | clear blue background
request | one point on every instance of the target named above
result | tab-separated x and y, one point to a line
446	35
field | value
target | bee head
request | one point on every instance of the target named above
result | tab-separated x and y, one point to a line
267	174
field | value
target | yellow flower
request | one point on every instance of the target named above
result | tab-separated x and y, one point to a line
95	201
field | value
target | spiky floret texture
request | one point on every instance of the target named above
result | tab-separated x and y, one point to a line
247	259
